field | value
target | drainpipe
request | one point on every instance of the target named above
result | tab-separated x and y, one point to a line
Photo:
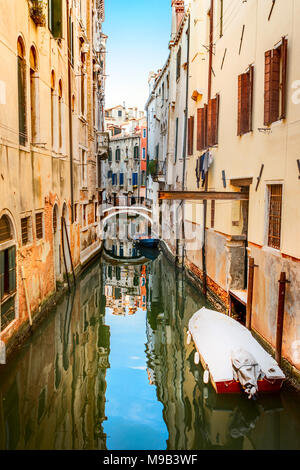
185	136
211	40
70	114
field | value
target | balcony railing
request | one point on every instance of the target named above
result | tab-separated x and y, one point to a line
103	145
37	12
157	170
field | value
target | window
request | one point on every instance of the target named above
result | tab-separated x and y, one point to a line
98	172
157	152
118	155
83	85
71	40
22	93
191	135
76	212
52	110
163	93
275	83
60	116
34	100
84	215
25	230
143	182
144	133
134	179
144	153
275	209
7	285
121	179
55	17
110	156
39	229
178	63
202	128
245	99
83	168
176	139
212	121
96	211
120	113
5	231
136	152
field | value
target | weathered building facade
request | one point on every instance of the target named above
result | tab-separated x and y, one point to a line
52	142
242	135
127	162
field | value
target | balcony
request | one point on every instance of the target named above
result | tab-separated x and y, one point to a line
37	12
157	170
102	145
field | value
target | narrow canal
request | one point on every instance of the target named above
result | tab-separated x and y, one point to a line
110	369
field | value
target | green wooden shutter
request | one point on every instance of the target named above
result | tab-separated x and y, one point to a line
1	274
12	269
56	18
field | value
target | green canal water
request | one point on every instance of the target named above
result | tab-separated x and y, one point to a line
110	369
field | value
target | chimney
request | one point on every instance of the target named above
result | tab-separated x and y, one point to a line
178	12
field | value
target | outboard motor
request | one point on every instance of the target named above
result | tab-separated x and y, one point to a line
247	371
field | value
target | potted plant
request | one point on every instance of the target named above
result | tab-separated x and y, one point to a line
37	12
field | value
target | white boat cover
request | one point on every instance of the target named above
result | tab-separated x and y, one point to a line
218	337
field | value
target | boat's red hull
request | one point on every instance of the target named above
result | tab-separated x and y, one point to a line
264	386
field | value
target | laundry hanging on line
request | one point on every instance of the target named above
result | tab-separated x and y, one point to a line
203	164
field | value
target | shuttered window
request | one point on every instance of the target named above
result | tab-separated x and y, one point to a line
178	63
7	285
25	226
176	140
212	121
121	179
275	83
55	17
39	225
245	100
191	135
118	155
136	152
275	210
202	128
22	96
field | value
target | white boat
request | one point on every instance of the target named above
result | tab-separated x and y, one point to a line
232	358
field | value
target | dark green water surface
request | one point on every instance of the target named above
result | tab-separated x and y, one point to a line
110	369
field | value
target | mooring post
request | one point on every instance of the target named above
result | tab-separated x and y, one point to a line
250	293
280	316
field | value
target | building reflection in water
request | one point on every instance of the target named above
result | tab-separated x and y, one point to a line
196	417
52	394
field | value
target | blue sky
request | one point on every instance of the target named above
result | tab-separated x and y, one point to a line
138	35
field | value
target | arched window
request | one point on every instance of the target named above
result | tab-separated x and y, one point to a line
5	229
53	108
22	92
34	96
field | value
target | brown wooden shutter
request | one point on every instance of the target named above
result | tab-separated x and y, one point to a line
200	113
205	126
284	77
212	121
245	103
275	85
190	135
251	85
268	66
239	123
209	123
